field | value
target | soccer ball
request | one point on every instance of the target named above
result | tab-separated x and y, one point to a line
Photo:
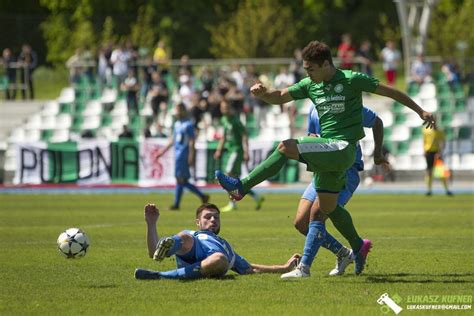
73	243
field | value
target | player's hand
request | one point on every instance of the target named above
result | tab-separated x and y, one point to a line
428	119
380	160
217	155
191	161
292	262
152	213
258	89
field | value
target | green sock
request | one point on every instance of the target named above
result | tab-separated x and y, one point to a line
342	220
268	168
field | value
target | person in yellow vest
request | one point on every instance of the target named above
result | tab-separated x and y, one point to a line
161	57
433	144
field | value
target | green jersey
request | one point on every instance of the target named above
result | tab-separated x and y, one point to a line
233	133
338	102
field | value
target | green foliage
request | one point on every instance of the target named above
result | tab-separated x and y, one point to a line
108	35
255	31
57	39
451	22
143	31
421	247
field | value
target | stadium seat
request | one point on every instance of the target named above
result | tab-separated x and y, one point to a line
400	133
93	107
460	105
91	122
449	133
416	133
63	121
50	108
446	119
387	118
48	122
413	120
427	91
17	136
120	108
60	135
413	89
467	161
452	161
415	147
403	162
418	162
108	96
46	134
67	95
430	105
402	147
33	122
4	84
465	146
460	119
445	104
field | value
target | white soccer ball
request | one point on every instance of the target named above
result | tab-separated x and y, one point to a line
73	243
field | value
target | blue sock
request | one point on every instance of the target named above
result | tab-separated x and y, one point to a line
177	194
192	188
332	244
314	239
192	271
178	242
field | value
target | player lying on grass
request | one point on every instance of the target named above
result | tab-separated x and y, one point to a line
199	253
337	95
309	199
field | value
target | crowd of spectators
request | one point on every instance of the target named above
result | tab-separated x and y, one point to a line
19	72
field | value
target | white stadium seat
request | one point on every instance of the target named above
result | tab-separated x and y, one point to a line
67	95
400	133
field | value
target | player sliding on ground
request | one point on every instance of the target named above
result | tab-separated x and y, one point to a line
199	253
309	202
337	95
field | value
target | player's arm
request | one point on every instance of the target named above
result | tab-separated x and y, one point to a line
377	131
272	96
166	148
192	151
151	217
288	266
245	145
404	99
220	147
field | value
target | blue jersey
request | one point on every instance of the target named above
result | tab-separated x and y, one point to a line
368	120
352	174
183	132
205	244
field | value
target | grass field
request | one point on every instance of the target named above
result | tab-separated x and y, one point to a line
422	246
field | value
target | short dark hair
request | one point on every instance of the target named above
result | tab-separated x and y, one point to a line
206	206
317	52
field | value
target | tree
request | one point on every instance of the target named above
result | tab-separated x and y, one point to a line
258	29
143	31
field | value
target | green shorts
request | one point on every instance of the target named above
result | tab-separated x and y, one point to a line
329	159
232	162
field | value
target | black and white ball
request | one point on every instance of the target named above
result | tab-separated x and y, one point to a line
73	243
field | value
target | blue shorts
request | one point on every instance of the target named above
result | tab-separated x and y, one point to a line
181	169
352	182
203	247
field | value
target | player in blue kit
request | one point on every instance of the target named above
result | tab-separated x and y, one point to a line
309	198
199	253
183	142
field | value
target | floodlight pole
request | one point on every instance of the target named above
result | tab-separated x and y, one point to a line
412	19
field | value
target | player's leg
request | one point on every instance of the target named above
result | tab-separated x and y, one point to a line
231	164
178	244
429	172
301	220
178	193
191	187
269	167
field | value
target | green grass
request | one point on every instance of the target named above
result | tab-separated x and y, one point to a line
422	246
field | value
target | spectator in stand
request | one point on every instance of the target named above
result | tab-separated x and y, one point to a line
235	97
186	90
237	77
29	61
391	57
420	70
119	60
184	66
284	78
75	65
158	93
365	58
214	101
207	80
9	63
131	87
296	66
132	50
450	69
346	52
161	58
126	133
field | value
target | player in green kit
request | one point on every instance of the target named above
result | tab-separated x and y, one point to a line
337	96
233	150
